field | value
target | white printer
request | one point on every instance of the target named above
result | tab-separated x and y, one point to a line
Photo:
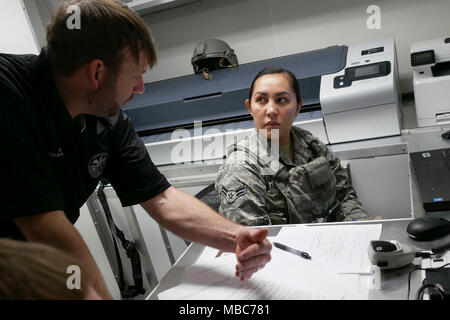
430	61
362	100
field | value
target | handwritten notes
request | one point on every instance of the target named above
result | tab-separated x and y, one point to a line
343	248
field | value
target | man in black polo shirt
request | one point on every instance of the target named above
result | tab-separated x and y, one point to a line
62	130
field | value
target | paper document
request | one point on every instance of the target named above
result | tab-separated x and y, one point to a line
285	277
344	248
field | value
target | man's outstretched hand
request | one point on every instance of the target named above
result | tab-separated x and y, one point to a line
252	251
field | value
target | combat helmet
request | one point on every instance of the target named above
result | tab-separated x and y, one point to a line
213	54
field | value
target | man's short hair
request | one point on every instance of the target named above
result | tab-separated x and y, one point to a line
107	28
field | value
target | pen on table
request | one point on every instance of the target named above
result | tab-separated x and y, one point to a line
302	254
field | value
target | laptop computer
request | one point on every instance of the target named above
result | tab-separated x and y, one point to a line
432	172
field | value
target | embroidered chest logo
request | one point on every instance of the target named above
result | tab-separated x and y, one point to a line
97	164
57	154
232	195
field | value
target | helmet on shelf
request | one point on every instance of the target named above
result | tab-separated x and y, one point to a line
213	54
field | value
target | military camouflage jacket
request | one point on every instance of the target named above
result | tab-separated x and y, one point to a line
257	188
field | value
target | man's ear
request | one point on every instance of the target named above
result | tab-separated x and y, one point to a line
247	104
96	72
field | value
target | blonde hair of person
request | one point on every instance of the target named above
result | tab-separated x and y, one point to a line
32	271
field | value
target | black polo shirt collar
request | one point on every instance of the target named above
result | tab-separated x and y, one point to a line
41	75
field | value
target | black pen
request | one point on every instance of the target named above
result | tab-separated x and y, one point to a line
302	254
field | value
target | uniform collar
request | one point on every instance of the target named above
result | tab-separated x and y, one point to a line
284	157
42	77
302	153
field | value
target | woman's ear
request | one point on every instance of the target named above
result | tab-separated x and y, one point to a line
299	106
247	104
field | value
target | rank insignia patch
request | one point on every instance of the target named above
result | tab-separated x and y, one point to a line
232	195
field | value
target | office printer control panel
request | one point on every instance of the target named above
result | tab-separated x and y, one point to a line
368	71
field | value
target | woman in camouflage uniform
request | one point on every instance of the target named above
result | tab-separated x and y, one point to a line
303	183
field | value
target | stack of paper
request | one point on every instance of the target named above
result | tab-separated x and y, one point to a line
334	250
285	277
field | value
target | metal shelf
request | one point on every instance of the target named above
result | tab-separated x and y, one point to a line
144	7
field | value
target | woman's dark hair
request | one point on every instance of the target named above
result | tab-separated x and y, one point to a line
275	70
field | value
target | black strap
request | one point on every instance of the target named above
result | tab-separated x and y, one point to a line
441	249
128	246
